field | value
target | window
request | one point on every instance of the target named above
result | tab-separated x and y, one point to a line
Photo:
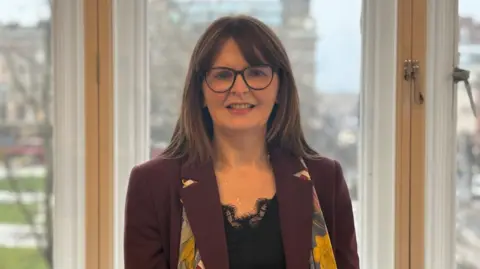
453	209
41	173
26	184
467	174
475	57
337	70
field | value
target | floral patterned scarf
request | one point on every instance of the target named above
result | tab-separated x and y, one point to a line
322	256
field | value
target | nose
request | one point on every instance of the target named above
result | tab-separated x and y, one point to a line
239	85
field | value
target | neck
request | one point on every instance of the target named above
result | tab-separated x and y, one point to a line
240	150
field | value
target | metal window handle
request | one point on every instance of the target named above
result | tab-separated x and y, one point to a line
460	75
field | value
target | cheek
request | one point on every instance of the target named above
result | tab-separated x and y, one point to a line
213	99
269	95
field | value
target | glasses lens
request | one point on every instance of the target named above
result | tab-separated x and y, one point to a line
220	79
258	77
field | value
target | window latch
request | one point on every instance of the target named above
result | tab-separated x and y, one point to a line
462	75
411	69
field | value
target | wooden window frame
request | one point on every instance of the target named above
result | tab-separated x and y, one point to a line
91	135
417	154
411	142
107	176
99	133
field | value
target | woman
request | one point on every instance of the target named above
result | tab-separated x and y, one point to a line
232	189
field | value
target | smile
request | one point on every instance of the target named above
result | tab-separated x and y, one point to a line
240	109
240	106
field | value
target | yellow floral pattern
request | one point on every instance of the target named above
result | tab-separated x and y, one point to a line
322	256
322	251
189	257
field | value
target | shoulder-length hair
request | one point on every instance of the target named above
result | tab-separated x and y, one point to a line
193	132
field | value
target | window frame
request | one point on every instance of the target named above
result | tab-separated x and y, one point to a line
378	134
131	104
69	140
441	111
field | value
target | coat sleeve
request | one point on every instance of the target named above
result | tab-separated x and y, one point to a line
346	252
142	238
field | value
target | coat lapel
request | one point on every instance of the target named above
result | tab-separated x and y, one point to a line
295	208
201	201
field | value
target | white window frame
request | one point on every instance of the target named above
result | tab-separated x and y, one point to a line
377	135
69	134
441	120
131	104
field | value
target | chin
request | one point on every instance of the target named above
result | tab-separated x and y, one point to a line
242	126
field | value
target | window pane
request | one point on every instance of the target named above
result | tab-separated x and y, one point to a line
26	164
468	141
322	39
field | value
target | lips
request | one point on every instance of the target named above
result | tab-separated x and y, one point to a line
240	109
240	106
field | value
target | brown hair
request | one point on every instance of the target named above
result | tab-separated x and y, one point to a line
194	129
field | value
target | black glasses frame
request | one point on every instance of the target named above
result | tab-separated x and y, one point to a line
242	74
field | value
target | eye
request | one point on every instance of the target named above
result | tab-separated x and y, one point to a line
220	74
259	71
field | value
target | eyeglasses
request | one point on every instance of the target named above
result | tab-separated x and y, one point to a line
222	79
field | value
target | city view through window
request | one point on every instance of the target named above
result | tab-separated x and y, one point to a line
26	135
468	141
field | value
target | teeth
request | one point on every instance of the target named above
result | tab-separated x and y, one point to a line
241	106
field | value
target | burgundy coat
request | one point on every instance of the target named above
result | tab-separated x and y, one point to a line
153	213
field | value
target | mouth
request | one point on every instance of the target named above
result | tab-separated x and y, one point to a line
240	106
240	109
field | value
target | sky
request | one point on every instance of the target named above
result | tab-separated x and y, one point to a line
338	50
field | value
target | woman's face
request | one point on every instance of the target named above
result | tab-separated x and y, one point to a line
241	108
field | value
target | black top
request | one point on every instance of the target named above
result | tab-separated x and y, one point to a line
255	241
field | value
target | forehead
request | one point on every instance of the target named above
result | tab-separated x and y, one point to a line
231	54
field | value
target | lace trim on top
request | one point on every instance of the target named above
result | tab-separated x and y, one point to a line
250	219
